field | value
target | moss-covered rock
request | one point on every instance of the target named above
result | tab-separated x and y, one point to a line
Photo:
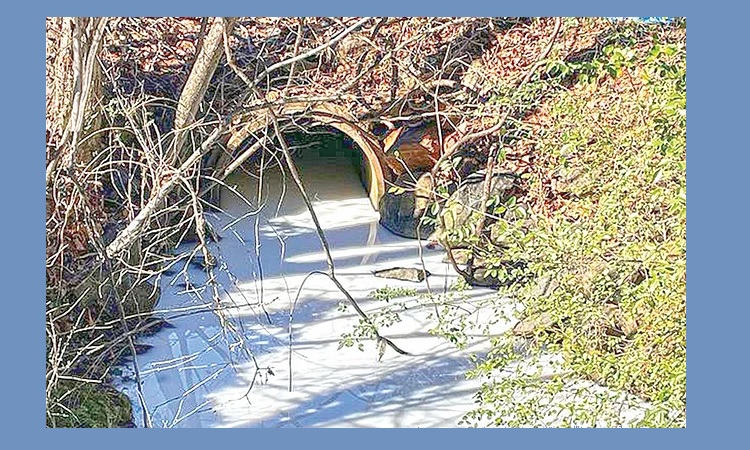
401	212
462	209
89	405
93	307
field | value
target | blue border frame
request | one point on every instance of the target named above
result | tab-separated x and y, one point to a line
717	176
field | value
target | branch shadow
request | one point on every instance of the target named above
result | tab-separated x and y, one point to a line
203	372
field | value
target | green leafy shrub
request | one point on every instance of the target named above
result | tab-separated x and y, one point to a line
615	242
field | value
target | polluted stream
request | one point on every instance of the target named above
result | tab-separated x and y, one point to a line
235	368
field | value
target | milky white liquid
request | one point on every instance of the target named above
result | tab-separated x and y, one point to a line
199	374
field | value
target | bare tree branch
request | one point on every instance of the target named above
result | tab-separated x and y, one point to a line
300	186
132	232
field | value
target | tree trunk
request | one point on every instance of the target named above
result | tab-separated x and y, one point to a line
196	86
181	156
73	88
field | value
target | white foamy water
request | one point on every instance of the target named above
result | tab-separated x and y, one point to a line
199	374
212	370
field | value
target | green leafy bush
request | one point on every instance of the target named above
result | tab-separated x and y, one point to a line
615	242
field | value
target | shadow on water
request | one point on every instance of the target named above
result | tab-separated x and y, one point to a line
201	373
404	397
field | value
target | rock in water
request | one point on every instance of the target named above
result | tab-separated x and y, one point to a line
403	273
466	200
398	211
460	255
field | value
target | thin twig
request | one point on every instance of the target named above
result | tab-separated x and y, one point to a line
128	235
501	122
489	174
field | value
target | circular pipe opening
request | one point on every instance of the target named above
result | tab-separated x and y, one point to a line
329	115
